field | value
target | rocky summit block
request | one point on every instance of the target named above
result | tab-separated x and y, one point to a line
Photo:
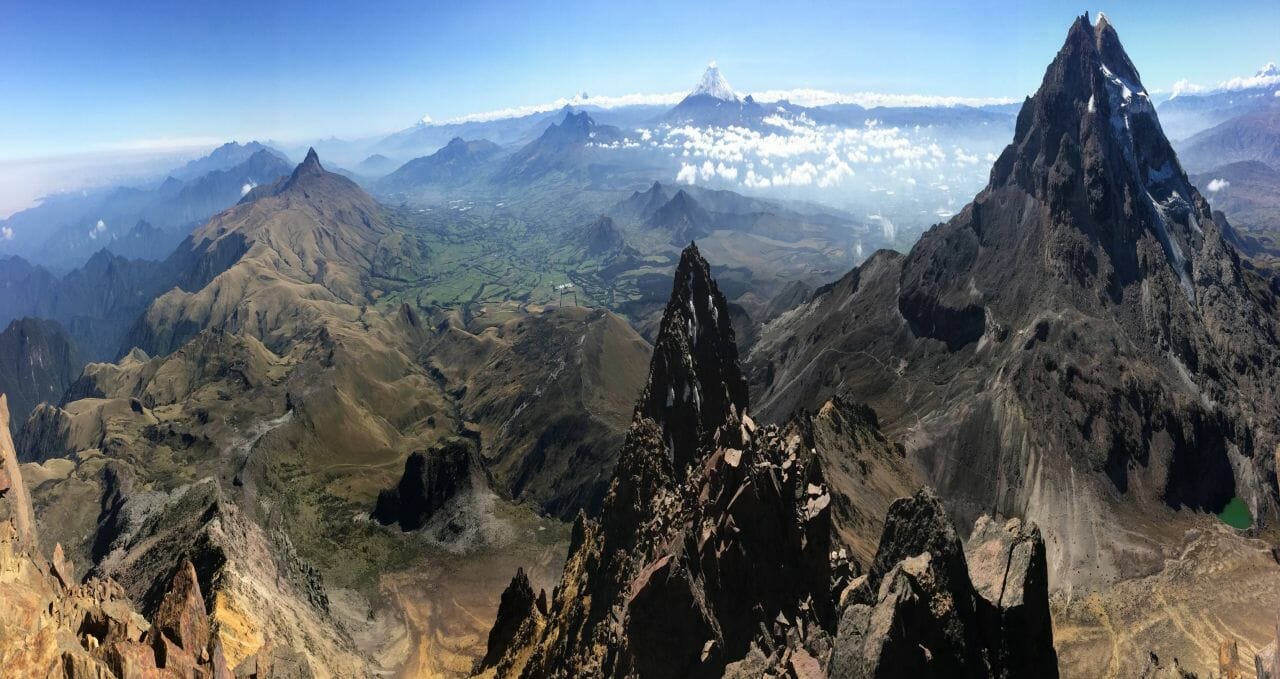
931	614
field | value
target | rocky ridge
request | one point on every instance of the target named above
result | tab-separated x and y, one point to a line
57	625
714	554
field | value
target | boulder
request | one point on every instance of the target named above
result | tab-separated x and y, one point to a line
1009	570
181	616
62	568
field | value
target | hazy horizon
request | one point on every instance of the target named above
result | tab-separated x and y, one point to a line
102	90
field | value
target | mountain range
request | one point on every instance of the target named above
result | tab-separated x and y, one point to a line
542	402
64	230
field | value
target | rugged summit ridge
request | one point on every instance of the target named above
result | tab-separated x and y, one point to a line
562	148
1090	146
714	553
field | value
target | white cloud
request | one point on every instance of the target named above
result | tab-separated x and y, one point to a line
795	152
1216	185
965	158
813	97
1265	78
244	190
755	181
1185	86
101	226
6	233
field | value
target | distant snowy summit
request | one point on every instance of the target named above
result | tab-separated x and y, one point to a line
713	84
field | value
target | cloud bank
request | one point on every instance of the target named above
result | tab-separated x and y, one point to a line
1267	76
801	97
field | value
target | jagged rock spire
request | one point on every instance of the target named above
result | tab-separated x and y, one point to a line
695	382
309	167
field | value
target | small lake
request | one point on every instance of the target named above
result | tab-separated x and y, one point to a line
1236	514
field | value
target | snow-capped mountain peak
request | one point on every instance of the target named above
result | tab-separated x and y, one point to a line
714	85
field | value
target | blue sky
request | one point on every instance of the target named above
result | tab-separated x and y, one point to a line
83	77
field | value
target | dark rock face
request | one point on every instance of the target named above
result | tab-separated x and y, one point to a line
38	362
1086	313
714	554
681	217
1008	568
431	479
519	616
